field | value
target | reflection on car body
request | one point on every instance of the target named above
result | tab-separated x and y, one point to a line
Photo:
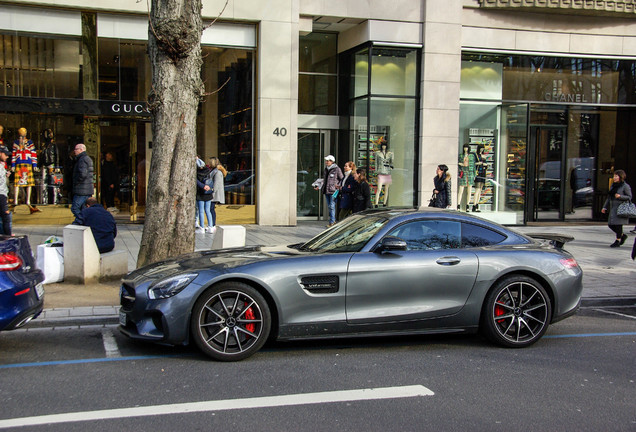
378	272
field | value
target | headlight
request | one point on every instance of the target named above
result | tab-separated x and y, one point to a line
165	288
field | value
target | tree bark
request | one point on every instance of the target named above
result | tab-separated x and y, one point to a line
174	44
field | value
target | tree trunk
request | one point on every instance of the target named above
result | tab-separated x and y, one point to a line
174	44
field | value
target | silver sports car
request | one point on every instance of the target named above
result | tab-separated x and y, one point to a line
375	273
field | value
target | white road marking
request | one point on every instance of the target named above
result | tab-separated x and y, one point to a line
223	405
110	344
615	313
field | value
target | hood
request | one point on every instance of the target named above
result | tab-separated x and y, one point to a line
220	260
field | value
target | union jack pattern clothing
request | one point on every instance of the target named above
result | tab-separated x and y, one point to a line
24	160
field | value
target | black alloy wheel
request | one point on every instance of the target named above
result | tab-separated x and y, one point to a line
230	321
517	312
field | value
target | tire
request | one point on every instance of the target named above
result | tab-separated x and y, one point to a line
230	322
516	312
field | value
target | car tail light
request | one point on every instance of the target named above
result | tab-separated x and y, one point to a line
9	261
569	263
24	291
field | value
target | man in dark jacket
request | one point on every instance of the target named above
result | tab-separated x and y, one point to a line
102	224
82	179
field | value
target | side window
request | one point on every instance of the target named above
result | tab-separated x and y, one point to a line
477	236
429	234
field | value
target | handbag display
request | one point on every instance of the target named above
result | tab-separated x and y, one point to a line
626	209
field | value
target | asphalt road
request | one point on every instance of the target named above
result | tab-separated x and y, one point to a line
581	376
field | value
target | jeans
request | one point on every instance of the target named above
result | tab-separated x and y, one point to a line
204	211
78	204
331	205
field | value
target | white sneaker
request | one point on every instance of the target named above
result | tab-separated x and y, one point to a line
210	230
199	230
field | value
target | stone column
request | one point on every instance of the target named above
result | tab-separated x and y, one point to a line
441	73
277	103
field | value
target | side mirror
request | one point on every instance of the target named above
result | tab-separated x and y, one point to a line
390	243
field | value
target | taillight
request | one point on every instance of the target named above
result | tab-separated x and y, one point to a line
569	262
9	261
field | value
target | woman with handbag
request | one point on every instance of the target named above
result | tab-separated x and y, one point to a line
619	193
442	191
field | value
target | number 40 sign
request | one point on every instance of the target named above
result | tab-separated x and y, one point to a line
280	131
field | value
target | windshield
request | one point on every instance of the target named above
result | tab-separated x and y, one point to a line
349	235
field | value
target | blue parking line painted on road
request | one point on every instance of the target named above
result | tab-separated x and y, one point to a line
94	360
584	335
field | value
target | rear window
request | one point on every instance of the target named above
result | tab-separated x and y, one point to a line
478	236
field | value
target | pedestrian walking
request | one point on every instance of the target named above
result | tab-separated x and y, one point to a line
347	187
218	195
619	192
5	213
442	190
332	176
82	179
362	193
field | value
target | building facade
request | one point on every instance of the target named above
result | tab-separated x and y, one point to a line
545	89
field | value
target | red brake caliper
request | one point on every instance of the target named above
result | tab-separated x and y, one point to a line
499	311
249	314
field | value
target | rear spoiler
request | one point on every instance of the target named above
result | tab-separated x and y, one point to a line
557	240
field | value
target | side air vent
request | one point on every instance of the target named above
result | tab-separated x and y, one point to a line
320	284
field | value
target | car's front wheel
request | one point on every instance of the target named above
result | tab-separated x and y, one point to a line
230	321
516	312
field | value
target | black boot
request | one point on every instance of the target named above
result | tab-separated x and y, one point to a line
617	243
476	208
623	238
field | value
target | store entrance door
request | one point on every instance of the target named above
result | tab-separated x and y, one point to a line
549	167
126	140
313	146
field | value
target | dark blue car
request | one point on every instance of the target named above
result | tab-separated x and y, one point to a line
21	292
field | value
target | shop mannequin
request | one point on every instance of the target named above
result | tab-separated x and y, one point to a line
480	179
383	167
466	163
50	160
23	163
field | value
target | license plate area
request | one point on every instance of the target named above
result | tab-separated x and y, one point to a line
39	291
122	319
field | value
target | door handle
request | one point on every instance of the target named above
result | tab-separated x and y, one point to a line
448	261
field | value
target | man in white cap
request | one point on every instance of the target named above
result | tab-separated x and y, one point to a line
332	177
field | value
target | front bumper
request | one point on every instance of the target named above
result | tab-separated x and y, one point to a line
158	320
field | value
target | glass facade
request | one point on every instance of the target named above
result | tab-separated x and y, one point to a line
42	66
553	131
41	90
382	111
318	74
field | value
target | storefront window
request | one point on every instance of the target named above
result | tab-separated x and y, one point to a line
393	72
317	77
383	127
225	126
39	67
555	153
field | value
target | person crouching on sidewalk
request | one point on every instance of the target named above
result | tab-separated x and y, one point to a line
101	222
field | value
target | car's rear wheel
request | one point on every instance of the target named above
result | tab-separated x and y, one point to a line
230	321
516	312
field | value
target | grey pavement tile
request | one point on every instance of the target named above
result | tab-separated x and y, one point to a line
81	311
56	313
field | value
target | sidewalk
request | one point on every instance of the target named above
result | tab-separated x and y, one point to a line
608	273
